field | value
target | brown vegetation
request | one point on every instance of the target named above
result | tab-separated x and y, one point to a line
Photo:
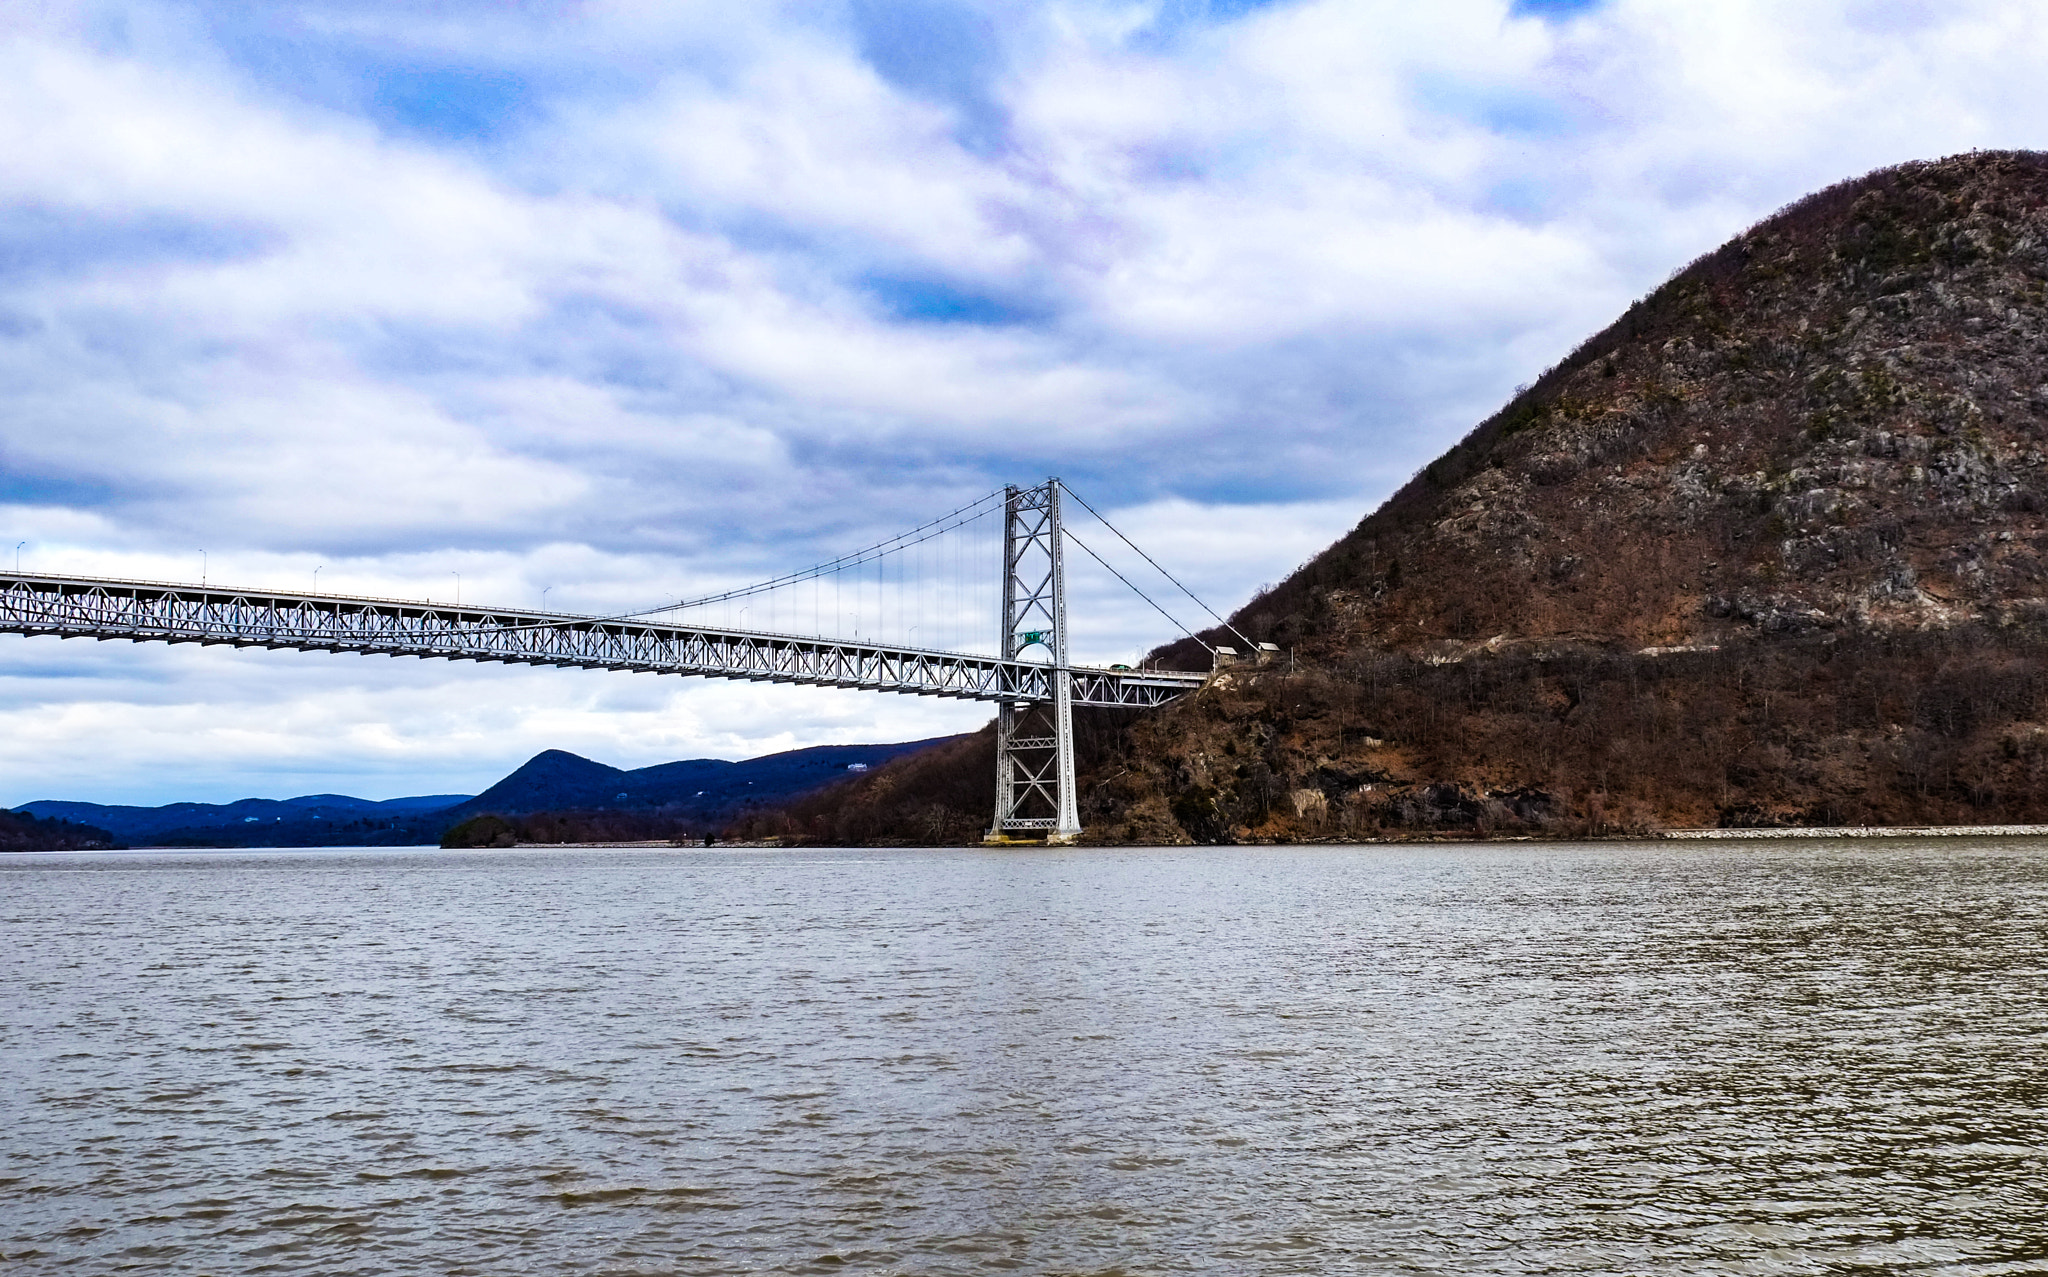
1907	728
936	797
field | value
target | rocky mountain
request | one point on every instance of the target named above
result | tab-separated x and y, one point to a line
1834	421
1767	550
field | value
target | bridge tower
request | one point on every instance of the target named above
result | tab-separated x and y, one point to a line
1035	739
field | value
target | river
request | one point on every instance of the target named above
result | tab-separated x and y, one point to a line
1615	1058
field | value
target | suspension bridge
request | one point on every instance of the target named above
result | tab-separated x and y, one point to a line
1023	668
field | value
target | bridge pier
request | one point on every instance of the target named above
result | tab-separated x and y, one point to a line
1035	797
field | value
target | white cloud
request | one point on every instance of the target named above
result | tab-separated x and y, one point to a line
716	298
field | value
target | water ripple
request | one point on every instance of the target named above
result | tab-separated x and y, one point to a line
1613	1059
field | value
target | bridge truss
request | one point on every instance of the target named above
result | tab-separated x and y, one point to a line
144	611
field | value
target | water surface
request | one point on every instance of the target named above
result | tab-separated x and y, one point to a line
1597	1059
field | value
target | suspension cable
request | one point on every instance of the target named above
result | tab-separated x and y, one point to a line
833	568
1249	645
858	558
1068	533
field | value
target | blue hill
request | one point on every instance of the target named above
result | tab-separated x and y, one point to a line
705	788
698	792
145	824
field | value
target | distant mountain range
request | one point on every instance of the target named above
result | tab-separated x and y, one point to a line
696	795
137	825
706	789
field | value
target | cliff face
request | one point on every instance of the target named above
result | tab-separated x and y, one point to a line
1768	550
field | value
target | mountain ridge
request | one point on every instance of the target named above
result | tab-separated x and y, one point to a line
555	779
1755	442
129	823
692	795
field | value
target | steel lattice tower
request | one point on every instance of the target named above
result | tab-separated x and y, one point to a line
1035	739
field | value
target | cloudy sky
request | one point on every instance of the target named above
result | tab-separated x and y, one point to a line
624	301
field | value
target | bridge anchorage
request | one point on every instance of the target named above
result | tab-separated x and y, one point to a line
1029	675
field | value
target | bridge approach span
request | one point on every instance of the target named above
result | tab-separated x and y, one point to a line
148	611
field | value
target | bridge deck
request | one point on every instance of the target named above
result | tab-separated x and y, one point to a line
149	611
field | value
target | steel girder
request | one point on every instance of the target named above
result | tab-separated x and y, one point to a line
146	611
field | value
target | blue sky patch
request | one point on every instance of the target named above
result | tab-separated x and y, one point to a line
943	52
42	242
1177	16
1226	10
1509	112
455	105
928	301
17	488
1551	8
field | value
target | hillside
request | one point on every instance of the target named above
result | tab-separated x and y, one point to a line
699	789
22	831
558	797
1767	550
1834	421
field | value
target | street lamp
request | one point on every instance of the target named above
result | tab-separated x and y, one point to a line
316	578
17	554
458	587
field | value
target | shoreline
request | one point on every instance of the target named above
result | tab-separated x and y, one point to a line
1668	835
1859	831
1809	833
